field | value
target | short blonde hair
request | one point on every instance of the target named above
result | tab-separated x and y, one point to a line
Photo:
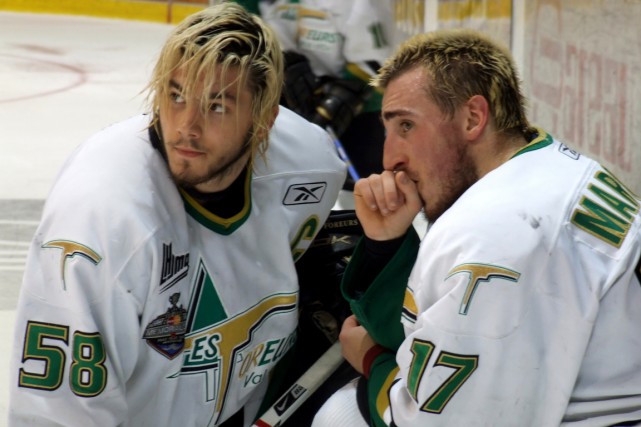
462	63
229	36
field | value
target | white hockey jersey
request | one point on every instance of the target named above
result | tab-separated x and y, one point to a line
140	308
522	308
330	33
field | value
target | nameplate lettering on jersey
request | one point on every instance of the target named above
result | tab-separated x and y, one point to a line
341	224
301	194
606	209
320	36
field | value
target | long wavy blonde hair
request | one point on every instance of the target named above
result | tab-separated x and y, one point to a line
229	36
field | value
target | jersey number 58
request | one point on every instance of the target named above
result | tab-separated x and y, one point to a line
45	355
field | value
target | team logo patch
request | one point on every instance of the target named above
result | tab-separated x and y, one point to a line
166	333
301	194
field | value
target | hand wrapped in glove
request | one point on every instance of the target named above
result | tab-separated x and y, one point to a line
340	101
300	85
324	100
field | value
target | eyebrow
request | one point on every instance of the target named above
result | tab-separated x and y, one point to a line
389	115
212	96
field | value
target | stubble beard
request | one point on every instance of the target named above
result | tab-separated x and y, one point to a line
462	176
185	177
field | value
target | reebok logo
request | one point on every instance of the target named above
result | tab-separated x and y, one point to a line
564	149
174	268
300	194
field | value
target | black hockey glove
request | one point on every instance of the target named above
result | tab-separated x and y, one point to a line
322	307
300	85
320	270
341	101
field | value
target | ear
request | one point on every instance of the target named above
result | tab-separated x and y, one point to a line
265	133
476	116
275	111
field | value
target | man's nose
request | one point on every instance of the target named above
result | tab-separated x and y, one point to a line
190	125
393	158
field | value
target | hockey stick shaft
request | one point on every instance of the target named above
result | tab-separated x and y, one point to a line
302	389
343	154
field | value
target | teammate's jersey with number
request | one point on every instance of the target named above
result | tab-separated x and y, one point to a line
524	305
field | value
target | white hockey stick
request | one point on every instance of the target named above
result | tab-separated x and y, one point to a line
343	154
304	387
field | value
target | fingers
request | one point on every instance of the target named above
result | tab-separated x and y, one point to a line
386	204
379	193
387	193
350	322
409	191
351	337
355	341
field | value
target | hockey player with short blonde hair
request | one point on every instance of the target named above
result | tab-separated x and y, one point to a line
520	305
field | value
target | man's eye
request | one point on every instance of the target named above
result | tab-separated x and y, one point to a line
217	107
406	126
176	98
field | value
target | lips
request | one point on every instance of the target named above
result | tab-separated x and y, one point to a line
188	152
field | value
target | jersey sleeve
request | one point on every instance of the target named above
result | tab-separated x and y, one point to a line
77	333
382	376
74	341
379	307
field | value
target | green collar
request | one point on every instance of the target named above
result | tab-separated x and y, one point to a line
539	140
220	225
